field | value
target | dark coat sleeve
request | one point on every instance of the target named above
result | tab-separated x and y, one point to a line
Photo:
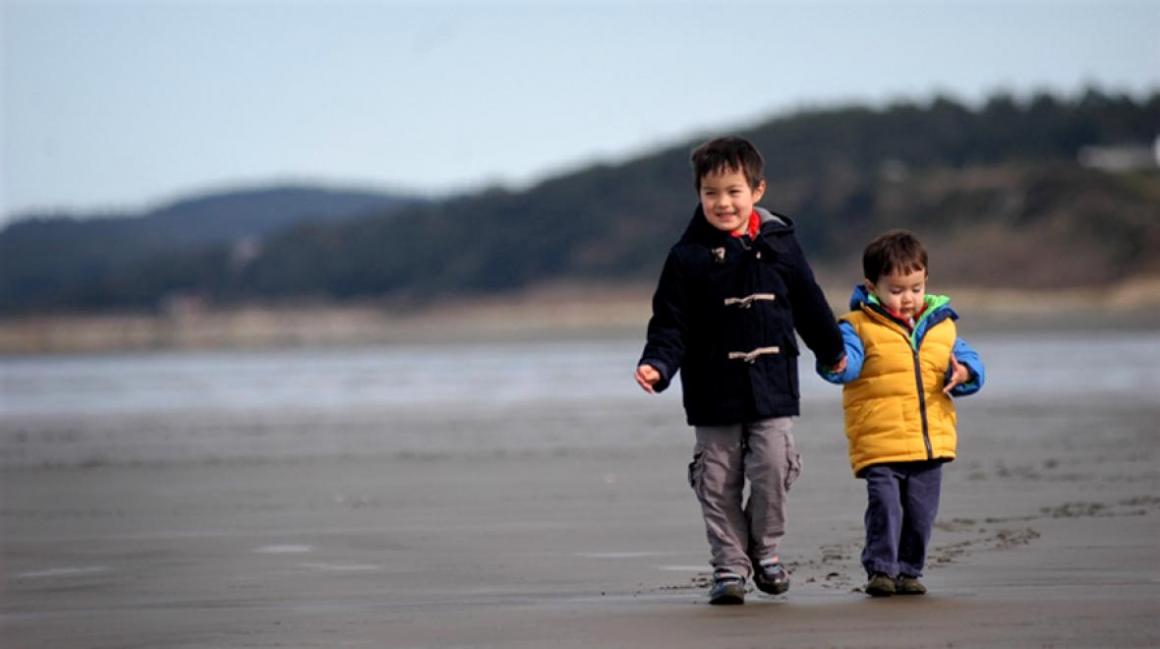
812	316
668	326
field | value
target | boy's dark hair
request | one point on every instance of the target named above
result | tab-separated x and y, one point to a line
894	250
728	153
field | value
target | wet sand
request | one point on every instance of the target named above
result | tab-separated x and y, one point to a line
1047	537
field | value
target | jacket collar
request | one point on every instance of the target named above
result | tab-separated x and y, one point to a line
699	229
936	308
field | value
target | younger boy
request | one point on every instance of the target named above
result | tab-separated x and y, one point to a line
904	363
732	291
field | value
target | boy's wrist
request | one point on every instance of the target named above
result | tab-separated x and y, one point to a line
833	367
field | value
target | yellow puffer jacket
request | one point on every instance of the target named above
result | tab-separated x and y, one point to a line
896	410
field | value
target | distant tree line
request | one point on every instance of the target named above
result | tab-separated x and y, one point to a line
997	182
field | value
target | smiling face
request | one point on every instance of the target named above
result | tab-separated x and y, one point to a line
728	200
901	292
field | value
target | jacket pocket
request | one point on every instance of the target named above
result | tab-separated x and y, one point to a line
697	468
793	461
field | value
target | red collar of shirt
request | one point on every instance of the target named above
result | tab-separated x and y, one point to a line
752	229
909	323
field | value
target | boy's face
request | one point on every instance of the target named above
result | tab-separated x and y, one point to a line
728	200
901	292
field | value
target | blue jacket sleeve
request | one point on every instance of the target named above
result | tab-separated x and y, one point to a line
855	354
967	355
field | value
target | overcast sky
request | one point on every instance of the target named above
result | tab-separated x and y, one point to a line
125	105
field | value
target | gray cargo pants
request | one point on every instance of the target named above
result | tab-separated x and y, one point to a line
763	452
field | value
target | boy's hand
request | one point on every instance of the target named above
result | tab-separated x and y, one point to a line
959	375
646	377
840	366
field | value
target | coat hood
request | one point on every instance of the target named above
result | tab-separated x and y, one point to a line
699	229
862	297
936	309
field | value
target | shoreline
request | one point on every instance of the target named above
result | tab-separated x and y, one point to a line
547	313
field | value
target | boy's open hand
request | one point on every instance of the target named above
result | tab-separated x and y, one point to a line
959	375
646	377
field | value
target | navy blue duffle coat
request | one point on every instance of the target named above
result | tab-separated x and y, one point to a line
724	315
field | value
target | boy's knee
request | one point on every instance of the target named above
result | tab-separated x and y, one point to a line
774	463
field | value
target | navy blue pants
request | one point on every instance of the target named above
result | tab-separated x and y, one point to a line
902	504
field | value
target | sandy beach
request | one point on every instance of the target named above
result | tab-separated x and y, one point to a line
306	527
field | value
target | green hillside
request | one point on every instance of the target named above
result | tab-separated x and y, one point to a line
997	183
79	261
996	191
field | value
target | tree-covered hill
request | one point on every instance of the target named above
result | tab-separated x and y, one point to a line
996	191
78	261
998	182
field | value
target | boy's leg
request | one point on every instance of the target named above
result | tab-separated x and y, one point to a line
883	520
772	463
920	497
717	477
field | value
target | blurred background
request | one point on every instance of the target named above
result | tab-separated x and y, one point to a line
334	306
231	227
188	174
326	185
331	186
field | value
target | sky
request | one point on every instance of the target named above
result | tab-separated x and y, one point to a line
124	106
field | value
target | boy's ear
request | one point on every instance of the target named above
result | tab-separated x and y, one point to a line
759	191
869	285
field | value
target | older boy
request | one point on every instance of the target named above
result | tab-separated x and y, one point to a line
733	289
905	362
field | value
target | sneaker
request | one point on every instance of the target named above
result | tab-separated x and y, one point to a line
771	577
728	588
880	585
907	585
